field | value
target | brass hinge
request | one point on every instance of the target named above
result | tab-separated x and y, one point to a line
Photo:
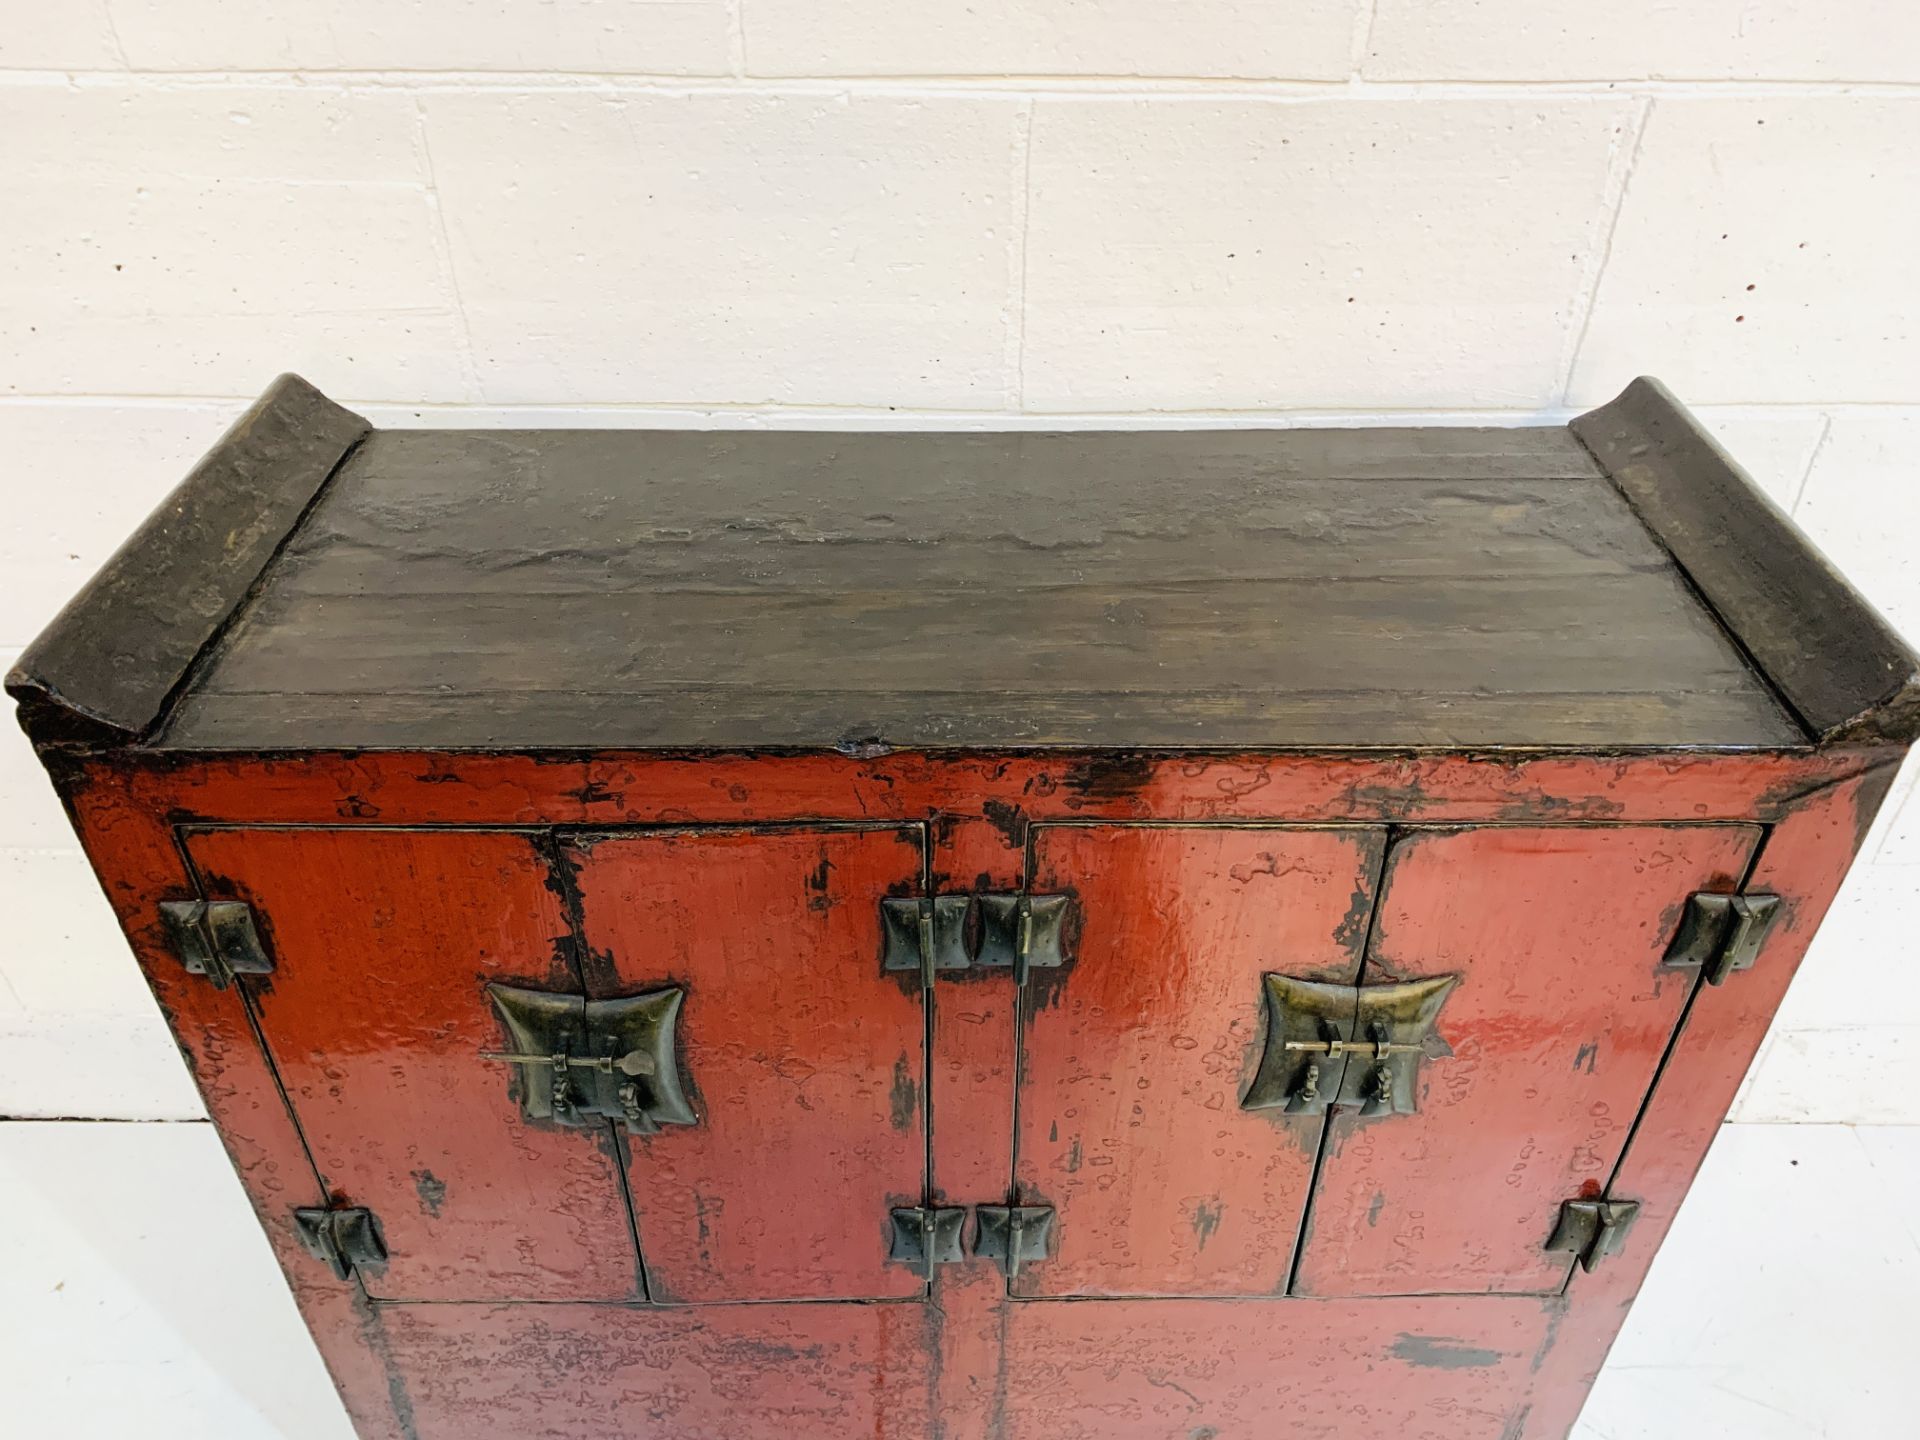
1722	933
926	935
929	934
1013	1235
216	938
348	1240
1024	932
1591	1230
925	1236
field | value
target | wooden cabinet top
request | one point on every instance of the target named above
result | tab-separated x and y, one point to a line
1614	584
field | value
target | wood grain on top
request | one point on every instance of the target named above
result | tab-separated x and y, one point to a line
1203	589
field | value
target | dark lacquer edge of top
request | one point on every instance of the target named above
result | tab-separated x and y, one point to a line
1843	670
104	670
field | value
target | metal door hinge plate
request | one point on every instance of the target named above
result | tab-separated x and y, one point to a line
1024	932
347	1240
925	934
930	934
579	1061
926	1236
1722	933
1591	1230
1013	1235
216	938
1354	1045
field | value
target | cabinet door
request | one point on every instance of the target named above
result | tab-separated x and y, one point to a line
1556	1027
804	1060
1135	1057
378	1018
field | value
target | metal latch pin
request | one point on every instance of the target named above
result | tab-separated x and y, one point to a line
634	1062
1373	1049
926	944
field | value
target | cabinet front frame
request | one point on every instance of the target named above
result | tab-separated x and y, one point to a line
127	804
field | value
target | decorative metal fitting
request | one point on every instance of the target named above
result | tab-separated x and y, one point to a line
929	934
580	1061
1722	933
1591	1230
1315	1034
216	938
347	1240
1013	1235
925	1237
1023	931
925	934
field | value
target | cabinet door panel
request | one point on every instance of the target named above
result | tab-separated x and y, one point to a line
1135	1057
377	1015
1556	1028
806	1062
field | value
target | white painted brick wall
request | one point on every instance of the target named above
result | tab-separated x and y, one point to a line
973	213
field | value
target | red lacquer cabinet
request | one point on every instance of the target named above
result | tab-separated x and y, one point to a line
988	937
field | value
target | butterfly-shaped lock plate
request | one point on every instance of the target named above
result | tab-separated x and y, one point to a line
579	1061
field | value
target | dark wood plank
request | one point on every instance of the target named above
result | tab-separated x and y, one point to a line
1193	589
1841	666
102	671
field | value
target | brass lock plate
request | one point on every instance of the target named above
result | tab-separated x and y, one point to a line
578	1061
1350	1045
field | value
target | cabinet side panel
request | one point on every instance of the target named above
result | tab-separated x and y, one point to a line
132	850
1803	860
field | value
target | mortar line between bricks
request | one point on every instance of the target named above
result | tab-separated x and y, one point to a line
1006	85
737	37
443	246
1365	14
1018	249
1587	298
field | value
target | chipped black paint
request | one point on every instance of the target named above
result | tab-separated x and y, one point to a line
903	1096
1009	820
432	1191
1432	1352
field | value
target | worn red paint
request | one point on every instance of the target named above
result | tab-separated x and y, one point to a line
380	903
1133	1060
1555	1027
807	1061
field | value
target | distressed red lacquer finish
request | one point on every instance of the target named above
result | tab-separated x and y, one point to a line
972	1113
378	1018
1555	1029
447	788
1135	1057
1193	1369
725	1372
973	1018
140	865
806	1059
966	1363
1804	860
